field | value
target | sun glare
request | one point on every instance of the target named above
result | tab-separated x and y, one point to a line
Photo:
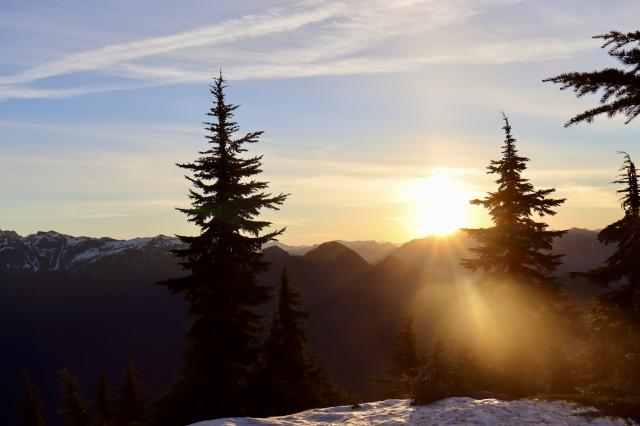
439	205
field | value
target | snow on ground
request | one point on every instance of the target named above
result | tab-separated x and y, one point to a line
451	411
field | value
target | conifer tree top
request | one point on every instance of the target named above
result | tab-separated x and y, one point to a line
516	198
630	199
403	353
30	406
226	198
74	408
517	246
624	234
288	323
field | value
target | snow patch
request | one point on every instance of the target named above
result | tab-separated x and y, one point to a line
451	411
110	248
54	251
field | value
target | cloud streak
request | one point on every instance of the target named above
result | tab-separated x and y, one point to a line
245	27
311	38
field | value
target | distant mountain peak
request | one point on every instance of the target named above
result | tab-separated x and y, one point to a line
51	250
274	254
332	251
329	251
9	234
370	250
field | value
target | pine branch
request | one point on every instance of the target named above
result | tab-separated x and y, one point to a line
620	88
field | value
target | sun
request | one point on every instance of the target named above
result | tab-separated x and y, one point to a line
439	205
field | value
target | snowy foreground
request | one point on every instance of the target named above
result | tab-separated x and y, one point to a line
451	411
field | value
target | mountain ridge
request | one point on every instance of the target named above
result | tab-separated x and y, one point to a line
355	305
53	251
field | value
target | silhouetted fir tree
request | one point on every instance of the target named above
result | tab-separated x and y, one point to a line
625	235
436	379
295	381
287	340
130	402
619	87
105	411
223	263
404	355
74	409
404	359
613	370
30	406
517	249
286	359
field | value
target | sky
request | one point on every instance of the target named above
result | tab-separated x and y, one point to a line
379	117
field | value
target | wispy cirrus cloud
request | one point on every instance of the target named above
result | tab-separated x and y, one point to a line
309	38
245	27
23	92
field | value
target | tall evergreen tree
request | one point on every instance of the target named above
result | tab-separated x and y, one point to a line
619	87
287	334
286	360
404	355
295	381
625	235
517	249
436	378
404	359
611	372
104	401
74	409
223	263
30	406
130	402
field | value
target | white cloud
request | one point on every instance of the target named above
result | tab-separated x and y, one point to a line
245	27
310	38
21	92
586	196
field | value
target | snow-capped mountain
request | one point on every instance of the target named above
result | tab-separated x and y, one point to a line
451	411
51	251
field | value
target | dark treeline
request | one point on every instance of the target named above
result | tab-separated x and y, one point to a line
122	406
528	340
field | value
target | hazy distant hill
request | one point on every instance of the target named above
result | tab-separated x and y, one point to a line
89	304
371	251
581	248
439	258
367	316
52	251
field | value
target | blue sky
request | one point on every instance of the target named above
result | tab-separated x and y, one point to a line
361	101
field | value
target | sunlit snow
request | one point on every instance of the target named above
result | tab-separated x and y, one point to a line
451	411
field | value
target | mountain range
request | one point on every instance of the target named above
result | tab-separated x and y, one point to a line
90	304
51	251
370	250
